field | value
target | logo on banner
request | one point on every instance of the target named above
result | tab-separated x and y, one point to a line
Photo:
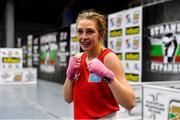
118	21
128	19
154	106
112	23
136	17
165	50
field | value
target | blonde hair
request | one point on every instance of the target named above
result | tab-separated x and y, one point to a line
100	20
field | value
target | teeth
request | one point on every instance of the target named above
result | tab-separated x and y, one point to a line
85	43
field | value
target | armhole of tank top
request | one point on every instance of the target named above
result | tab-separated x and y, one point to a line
103	54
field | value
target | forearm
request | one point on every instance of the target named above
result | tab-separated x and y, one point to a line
123	94
115	78
68	90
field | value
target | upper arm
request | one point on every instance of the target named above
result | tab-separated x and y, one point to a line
113	63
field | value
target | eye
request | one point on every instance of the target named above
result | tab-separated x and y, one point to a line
79	32
90	31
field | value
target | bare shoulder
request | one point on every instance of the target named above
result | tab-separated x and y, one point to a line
112	62
111	58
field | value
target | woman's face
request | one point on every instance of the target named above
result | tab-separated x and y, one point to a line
88	34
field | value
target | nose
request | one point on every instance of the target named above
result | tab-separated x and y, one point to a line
84	35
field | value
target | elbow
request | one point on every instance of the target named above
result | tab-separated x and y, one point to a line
68	100
128	104
131	104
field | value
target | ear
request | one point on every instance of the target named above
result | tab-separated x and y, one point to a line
100	35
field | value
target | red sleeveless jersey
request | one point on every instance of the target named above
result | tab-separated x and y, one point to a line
92	100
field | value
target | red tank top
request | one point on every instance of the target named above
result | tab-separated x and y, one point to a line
92	100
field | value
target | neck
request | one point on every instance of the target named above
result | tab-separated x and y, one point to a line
94	53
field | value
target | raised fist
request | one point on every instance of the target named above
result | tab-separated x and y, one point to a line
97	67
73	67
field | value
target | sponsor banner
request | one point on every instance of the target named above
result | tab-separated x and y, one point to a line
125	39
29	51
11	58
132	77
35	48
161	42
161	103
64	46
48	52
18	76
74	44
132	30
165	47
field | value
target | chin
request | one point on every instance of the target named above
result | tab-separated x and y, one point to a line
86	49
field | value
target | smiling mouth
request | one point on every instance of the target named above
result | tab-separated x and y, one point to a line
85	44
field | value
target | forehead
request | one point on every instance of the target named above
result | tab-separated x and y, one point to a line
86	23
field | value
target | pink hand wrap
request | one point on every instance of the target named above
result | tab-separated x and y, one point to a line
97	67
73	67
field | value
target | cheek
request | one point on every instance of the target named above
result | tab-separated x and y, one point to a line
95	42
95	37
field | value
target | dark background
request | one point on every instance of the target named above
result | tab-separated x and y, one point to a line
46	14
38	16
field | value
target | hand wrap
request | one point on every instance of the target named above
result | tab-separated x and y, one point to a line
73	67
97	67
